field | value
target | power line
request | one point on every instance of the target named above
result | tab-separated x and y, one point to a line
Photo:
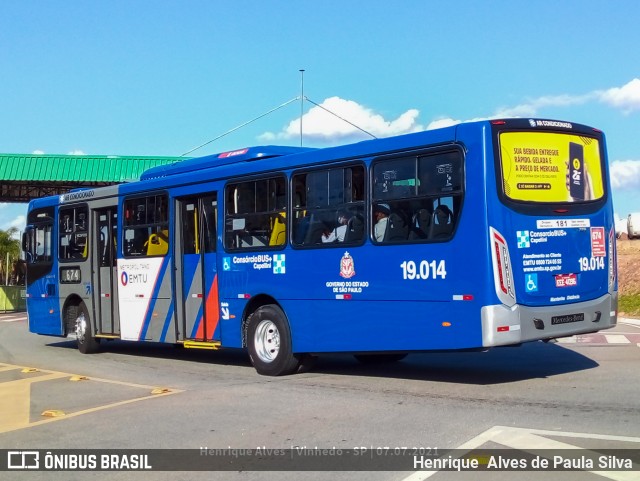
241	125
341	118
301	98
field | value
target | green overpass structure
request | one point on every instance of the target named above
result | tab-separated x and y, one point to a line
27	176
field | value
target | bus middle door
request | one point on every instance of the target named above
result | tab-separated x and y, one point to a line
198	307
105	290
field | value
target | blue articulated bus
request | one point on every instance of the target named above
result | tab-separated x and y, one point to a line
477	235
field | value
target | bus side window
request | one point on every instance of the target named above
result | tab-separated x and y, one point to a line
146	223
36	242
328	206
423	194
255	214
73	233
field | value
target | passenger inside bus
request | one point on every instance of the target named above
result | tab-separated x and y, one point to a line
442	224
397	229
381	218
337	234
420	225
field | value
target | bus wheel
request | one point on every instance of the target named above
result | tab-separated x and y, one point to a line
379	358
269	342
87	344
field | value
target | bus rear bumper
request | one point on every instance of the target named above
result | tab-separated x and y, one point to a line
502	325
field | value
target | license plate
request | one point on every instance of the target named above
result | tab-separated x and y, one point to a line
566	280
567	319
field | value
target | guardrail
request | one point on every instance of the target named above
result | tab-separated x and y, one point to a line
13	298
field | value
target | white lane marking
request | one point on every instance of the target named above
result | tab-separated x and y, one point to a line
617	339
13	318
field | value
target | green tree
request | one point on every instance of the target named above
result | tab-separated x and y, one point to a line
8	245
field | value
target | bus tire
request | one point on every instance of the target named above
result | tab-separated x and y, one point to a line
380	358
87	344
269	342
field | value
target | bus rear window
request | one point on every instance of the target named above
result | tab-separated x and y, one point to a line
548	167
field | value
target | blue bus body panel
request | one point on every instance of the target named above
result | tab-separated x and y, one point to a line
201	163
371	306
559	259
43	301
44	308
373	309
560	264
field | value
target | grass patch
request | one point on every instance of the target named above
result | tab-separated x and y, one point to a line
629	305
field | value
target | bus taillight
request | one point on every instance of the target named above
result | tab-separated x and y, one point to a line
502	273
501	270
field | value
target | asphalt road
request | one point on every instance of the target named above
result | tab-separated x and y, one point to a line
583	392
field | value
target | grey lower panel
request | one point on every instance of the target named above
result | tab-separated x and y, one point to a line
502	325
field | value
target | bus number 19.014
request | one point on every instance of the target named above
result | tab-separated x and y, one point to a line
425	270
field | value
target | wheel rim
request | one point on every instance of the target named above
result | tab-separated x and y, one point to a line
267	341
81	327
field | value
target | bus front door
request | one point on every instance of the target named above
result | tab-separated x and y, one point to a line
105	273
198	312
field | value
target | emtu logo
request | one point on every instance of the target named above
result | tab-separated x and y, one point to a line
133	278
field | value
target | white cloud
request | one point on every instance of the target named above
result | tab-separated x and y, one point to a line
320	125
626	97
20	223
531	107
522	110
73	152
12	215
625	174
441	123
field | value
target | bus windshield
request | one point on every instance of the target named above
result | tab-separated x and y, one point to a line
550	167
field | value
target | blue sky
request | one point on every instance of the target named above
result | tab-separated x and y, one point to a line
161	77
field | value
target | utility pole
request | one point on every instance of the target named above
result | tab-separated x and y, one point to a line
301	101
